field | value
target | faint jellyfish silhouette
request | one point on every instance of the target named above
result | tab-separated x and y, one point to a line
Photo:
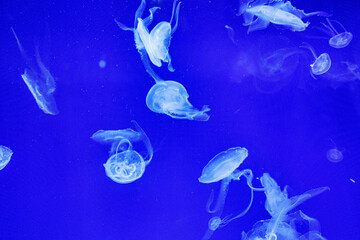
223	167
275	69
5	156
334	154
39	80
155	44
282	225
353	68
321	64
125	165
337	40
277	12
171	98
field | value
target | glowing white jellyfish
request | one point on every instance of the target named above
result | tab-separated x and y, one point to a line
334	154
125	165
5	156
223	167
39	81
283	225
277	12
321	64
338	39
171	98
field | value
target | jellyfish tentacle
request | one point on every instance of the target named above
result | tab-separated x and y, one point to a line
342	26
123	27
147	21
146	141
176	16
219	206
139	12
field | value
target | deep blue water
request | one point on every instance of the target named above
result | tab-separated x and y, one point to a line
55	186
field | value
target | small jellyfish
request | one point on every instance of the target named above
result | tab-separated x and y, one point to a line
171	98
334	154
223	167
125	165
321	64
5	156
337	40
39	81
279	12
154	44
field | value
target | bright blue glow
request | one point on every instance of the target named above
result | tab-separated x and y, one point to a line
102	63
5	156
171	98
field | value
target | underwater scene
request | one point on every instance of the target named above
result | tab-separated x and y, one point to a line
179	119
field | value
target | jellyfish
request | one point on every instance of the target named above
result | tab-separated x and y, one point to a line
171	98
126	165
39	81
321	64
223	167
353	68
334	154
5	156
282	225
337	40
277	12
154	44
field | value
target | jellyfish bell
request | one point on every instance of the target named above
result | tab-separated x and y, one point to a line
223	165
321	63
338	39
125	167
5	156
334	154
171	98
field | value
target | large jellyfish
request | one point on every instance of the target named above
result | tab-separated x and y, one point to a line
125	165
283	225
154	44
5	156
279	12
171	98
39	81
321	63
338	39
223	167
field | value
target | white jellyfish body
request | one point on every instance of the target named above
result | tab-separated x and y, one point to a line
321	63
338	39
171	98
5	156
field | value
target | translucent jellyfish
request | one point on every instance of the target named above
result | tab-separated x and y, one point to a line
113	137
223	167
154	44
39	81
321	64
171	98
334	154
127	165
5	156
353	68
282	225
337	40
277	12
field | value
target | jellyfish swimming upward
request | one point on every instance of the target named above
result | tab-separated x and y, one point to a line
275	11
283	225
223	167
125	165
5	156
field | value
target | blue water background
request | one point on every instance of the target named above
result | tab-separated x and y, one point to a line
55	186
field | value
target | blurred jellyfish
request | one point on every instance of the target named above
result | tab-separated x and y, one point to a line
154	45
282	225
5	156
171	98
334	154
277	12
275	69
337	40
39	80
102	63
223	167
321	64
125	165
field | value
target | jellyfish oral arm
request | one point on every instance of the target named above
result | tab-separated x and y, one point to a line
146	141
220	202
